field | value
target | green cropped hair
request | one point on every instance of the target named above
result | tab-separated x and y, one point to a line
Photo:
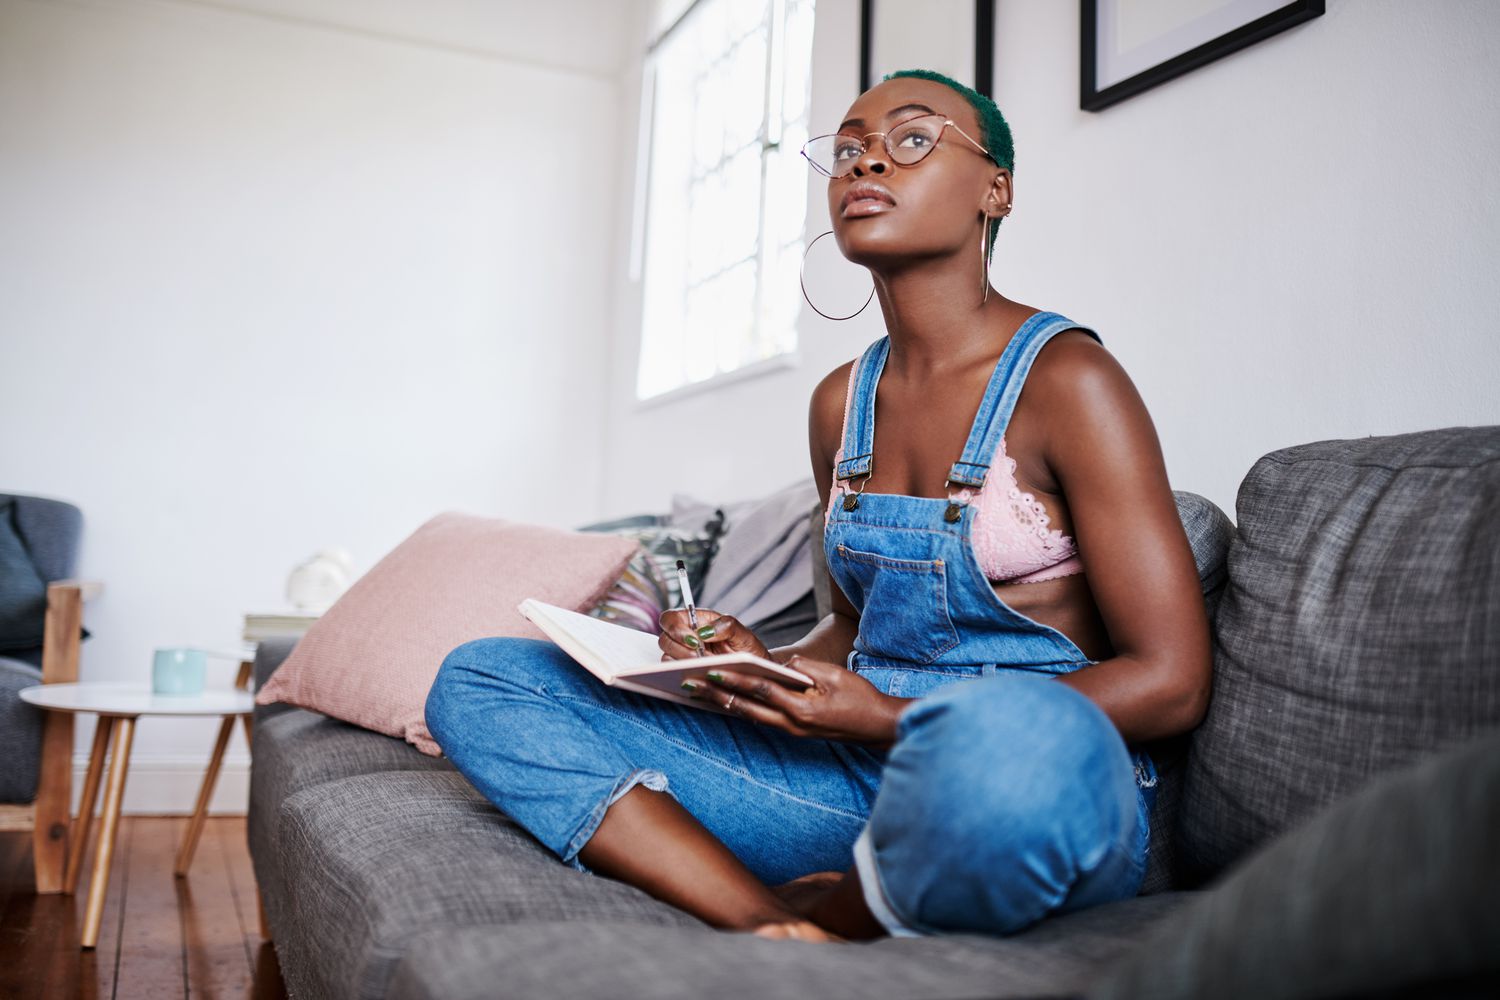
995	129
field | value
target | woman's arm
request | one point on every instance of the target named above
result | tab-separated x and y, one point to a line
1102	448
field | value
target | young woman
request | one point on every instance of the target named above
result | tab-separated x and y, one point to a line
1017	607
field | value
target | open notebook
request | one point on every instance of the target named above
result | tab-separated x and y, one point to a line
624	658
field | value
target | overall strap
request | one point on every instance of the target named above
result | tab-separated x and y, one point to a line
859	435
1003	391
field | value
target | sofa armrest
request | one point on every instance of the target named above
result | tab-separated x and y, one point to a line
87	589
270	654
62	636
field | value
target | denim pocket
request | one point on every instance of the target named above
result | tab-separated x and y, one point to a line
905	604
884	679
921	683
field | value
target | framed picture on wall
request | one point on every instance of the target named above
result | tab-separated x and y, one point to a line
1132	45
954	37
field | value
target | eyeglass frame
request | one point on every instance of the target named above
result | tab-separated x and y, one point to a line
885	140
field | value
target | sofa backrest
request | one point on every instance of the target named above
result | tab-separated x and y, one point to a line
1359	629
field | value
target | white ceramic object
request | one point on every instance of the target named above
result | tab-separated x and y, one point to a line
315	584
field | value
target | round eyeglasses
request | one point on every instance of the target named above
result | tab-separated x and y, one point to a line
907	143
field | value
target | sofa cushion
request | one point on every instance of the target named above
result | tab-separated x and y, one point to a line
371	658
600	961
369	863
295	750
1359	630
1209	532
1389	892
298	749
20	733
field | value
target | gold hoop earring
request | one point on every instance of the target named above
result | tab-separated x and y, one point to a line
984	259
802	280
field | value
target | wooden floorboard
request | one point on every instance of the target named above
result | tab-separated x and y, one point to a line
161	936
100	968
153	952
15	852
218	964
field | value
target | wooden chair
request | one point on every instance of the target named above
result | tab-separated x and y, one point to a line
48	815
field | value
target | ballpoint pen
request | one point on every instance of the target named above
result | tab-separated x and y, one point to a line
687	600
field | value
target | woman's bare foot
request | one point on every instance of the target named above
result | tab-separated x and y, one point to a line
795	930
802	894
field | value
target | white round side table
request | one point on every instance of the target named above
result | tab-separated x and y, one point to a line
118	706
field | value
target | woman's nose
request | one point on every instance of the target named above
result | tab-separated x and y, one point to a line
875	160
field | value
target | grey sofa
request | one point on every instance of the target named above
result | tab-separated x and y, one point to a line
1325	832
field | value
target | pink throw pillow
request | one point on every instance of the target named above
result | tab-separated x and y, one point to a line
371	658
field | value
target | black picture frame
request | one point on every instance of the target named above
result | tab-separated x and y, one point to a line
984	46
1091	98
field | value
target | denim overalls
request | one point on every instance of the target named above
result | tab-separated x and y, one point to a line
1003	800
928	615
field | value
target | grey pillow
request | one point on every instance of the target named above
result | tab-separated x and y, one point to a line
1359	629
23	592
763	564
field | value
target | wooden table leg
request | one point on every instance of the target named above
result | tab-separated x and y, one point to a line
260	905
200	811
89	801
114	795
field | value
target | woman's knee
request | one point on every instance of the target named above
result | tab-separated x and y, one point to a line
1015	788
1019	745
473	673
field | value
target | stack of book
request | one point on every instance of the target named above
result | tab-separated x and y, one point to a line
263	626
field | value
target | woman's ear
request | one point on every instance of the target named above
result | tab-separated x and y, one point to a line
997	197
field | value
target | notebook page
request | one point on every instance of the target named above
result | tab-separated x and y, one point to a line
613	648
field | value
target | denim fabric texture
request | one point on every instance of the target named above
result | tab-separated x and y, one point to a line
1005	798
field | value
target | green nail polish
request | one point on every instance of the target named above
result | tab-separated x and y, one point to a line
714	675
690	685
691	640
706	632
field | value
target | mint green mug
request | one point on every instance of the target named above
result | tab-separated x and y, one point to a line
178	670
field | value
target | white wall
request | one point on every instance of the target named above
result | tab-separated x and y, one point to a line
1297	242
276	275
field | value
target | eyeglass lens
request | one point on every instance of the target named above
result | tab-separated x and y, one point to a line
907	143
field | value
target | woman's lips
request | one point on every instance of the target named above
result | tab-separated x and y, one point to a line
866	198
866	206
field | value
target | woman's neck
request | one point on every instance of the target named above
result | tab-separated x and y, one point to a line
938	320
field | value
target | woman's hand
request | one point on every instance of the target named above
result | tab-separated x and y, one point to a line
715	634
841	705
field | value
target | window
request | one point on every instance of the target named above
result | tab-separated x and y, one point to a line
726	197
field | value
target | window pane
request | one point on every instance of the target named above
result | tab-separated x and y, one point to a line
725	213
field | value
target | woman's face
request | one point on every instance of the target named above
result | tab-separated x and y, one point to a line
888	214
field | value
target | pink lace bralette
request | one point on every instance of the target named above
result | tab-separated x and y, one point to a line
1009	532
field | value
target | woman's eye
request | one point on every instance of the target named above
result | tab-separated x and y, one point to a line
846	151
915	140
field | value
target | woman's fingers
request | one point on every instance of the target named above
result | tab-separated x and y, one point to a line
727	634
759	689
714	633
740	704
679	640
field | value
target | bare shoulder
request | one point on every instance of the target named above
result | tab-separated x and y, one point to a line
825	418
1075	371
